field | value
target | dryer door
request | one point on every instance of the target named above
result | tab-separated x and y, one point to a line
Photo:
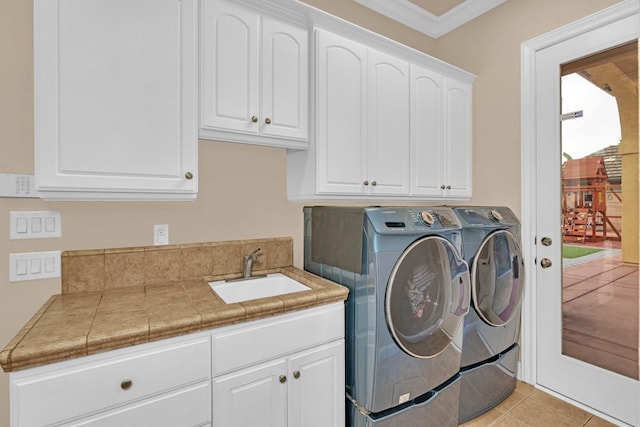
497	281
427	296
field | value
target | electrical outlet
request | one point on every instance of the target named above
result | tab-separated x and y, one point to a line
161	234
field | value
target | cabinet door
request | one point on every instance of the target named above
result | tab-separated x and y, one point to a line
457	136
252	397
188	407
285	80
427	132
342	114
388	137
316	387
230	67
116	98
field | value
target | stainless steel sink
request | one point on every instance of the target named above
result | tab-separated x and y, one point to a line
258	287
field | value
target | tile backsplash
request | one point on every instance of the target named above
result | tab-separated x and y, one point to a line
100	269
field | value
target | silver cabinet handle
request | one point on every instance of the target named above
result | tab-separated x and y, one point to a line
126	384
267	121
448	187
188	175
283	379
545	263
546	241
366	182
442	187
374	183
296	374
254	119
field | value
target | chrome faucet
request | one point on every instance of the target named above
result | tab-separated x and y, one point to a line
248	262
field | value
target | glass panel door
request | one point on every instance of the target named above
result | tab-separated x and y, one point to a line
599	241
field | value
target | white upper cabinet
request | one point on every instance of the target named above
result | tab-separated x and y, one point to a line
342	114
254	77
363	119
457	137
116	99
427	132
388	126
440	135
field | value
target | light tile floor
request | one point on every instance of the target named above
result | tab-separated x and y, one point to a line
528	406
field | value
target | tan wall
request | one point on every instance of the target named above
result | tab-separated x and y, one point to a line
242	188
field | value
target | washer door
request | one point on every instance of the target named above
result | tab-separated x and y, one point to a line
427	296
497	281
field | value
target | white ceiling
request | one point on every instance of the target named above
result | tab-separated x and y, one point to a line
431	17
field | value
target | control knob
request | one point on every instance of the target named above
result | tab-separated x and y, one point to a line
427	218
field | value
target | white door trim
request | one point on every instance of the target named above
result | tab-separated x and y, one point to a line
529	50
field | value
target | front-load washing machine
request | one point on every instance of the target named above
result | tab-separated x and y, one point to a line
409	293
491	246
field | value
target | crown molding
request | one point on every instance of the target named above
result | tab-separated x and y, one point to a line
419	19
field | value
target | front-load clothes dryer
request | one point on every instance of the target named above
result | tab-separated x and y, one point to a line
491	246
409	293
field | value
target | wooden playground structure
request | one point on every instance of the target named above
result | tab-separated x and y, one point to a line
584	202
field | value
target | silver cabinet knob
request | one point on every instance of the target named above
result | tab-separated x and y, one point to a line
254	119
296	374
188	175
267	121
126	384
442	187
545	263
283	379
448	187
374	183
546	241
366	182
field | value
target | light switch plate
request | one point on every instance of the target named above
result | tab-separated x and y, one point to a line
35	224
34	265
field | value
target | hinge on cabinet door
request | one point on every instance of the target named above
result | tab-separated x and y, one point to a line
358	406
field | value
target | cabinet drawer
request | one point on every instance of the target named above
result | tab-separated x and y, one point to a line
188	407
66	390
242	345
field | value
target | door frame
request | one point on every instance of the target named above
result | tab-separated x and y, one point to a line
528	138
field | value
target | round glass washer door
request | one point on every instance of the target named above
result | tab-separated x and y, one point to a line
497	281
427	296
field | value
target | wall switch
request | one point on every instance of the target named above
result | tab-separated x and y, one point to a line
35	224
17	185
34	265
161	234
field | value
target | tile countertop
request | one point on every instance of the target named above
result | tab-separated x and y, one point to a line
77	324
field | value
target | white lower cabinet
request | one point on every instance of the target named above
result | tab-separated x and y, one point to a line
125	385
303	390
286	370
189	406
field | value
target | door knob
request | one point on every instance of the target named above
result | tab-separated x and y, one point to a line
546	241
545	263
